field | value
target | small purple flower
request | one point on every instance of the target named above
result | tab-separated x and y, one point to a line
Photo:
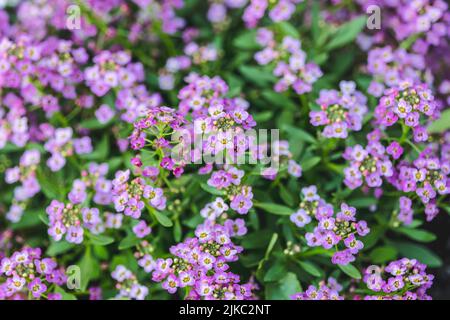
37	288
342	257
310	193
74	234
241	204
300	218
352	244
141	229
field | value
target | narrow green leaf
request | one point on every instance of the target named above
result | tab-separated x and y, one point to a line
363	202
88	269
65	295
57	248
310	163
100	240
163	219
257	75
417	234
286	195
310	268
29	219
246	40
274	208
346	33
299	134
129	241
211	190
350	270
383	254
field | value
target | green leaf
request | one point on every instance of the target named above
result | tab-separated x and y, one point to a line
417	234
362	202
408	42
101	252
275	272
44	218
51	185
320	58
177	231
65	295
299	134
211	190
129	241
442	124
278	99
246	40
383	254
272	242
372	238
162	219
287	197
263	116
309	163
256	240
288	29
310	268
419	252
284	288
57	248
350	270
100	240
9	147
274	208
346	33
257	75
29	219
89	269
114	163
93	124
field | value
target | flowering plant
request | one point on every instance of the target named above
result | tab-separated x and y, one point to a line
226	149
